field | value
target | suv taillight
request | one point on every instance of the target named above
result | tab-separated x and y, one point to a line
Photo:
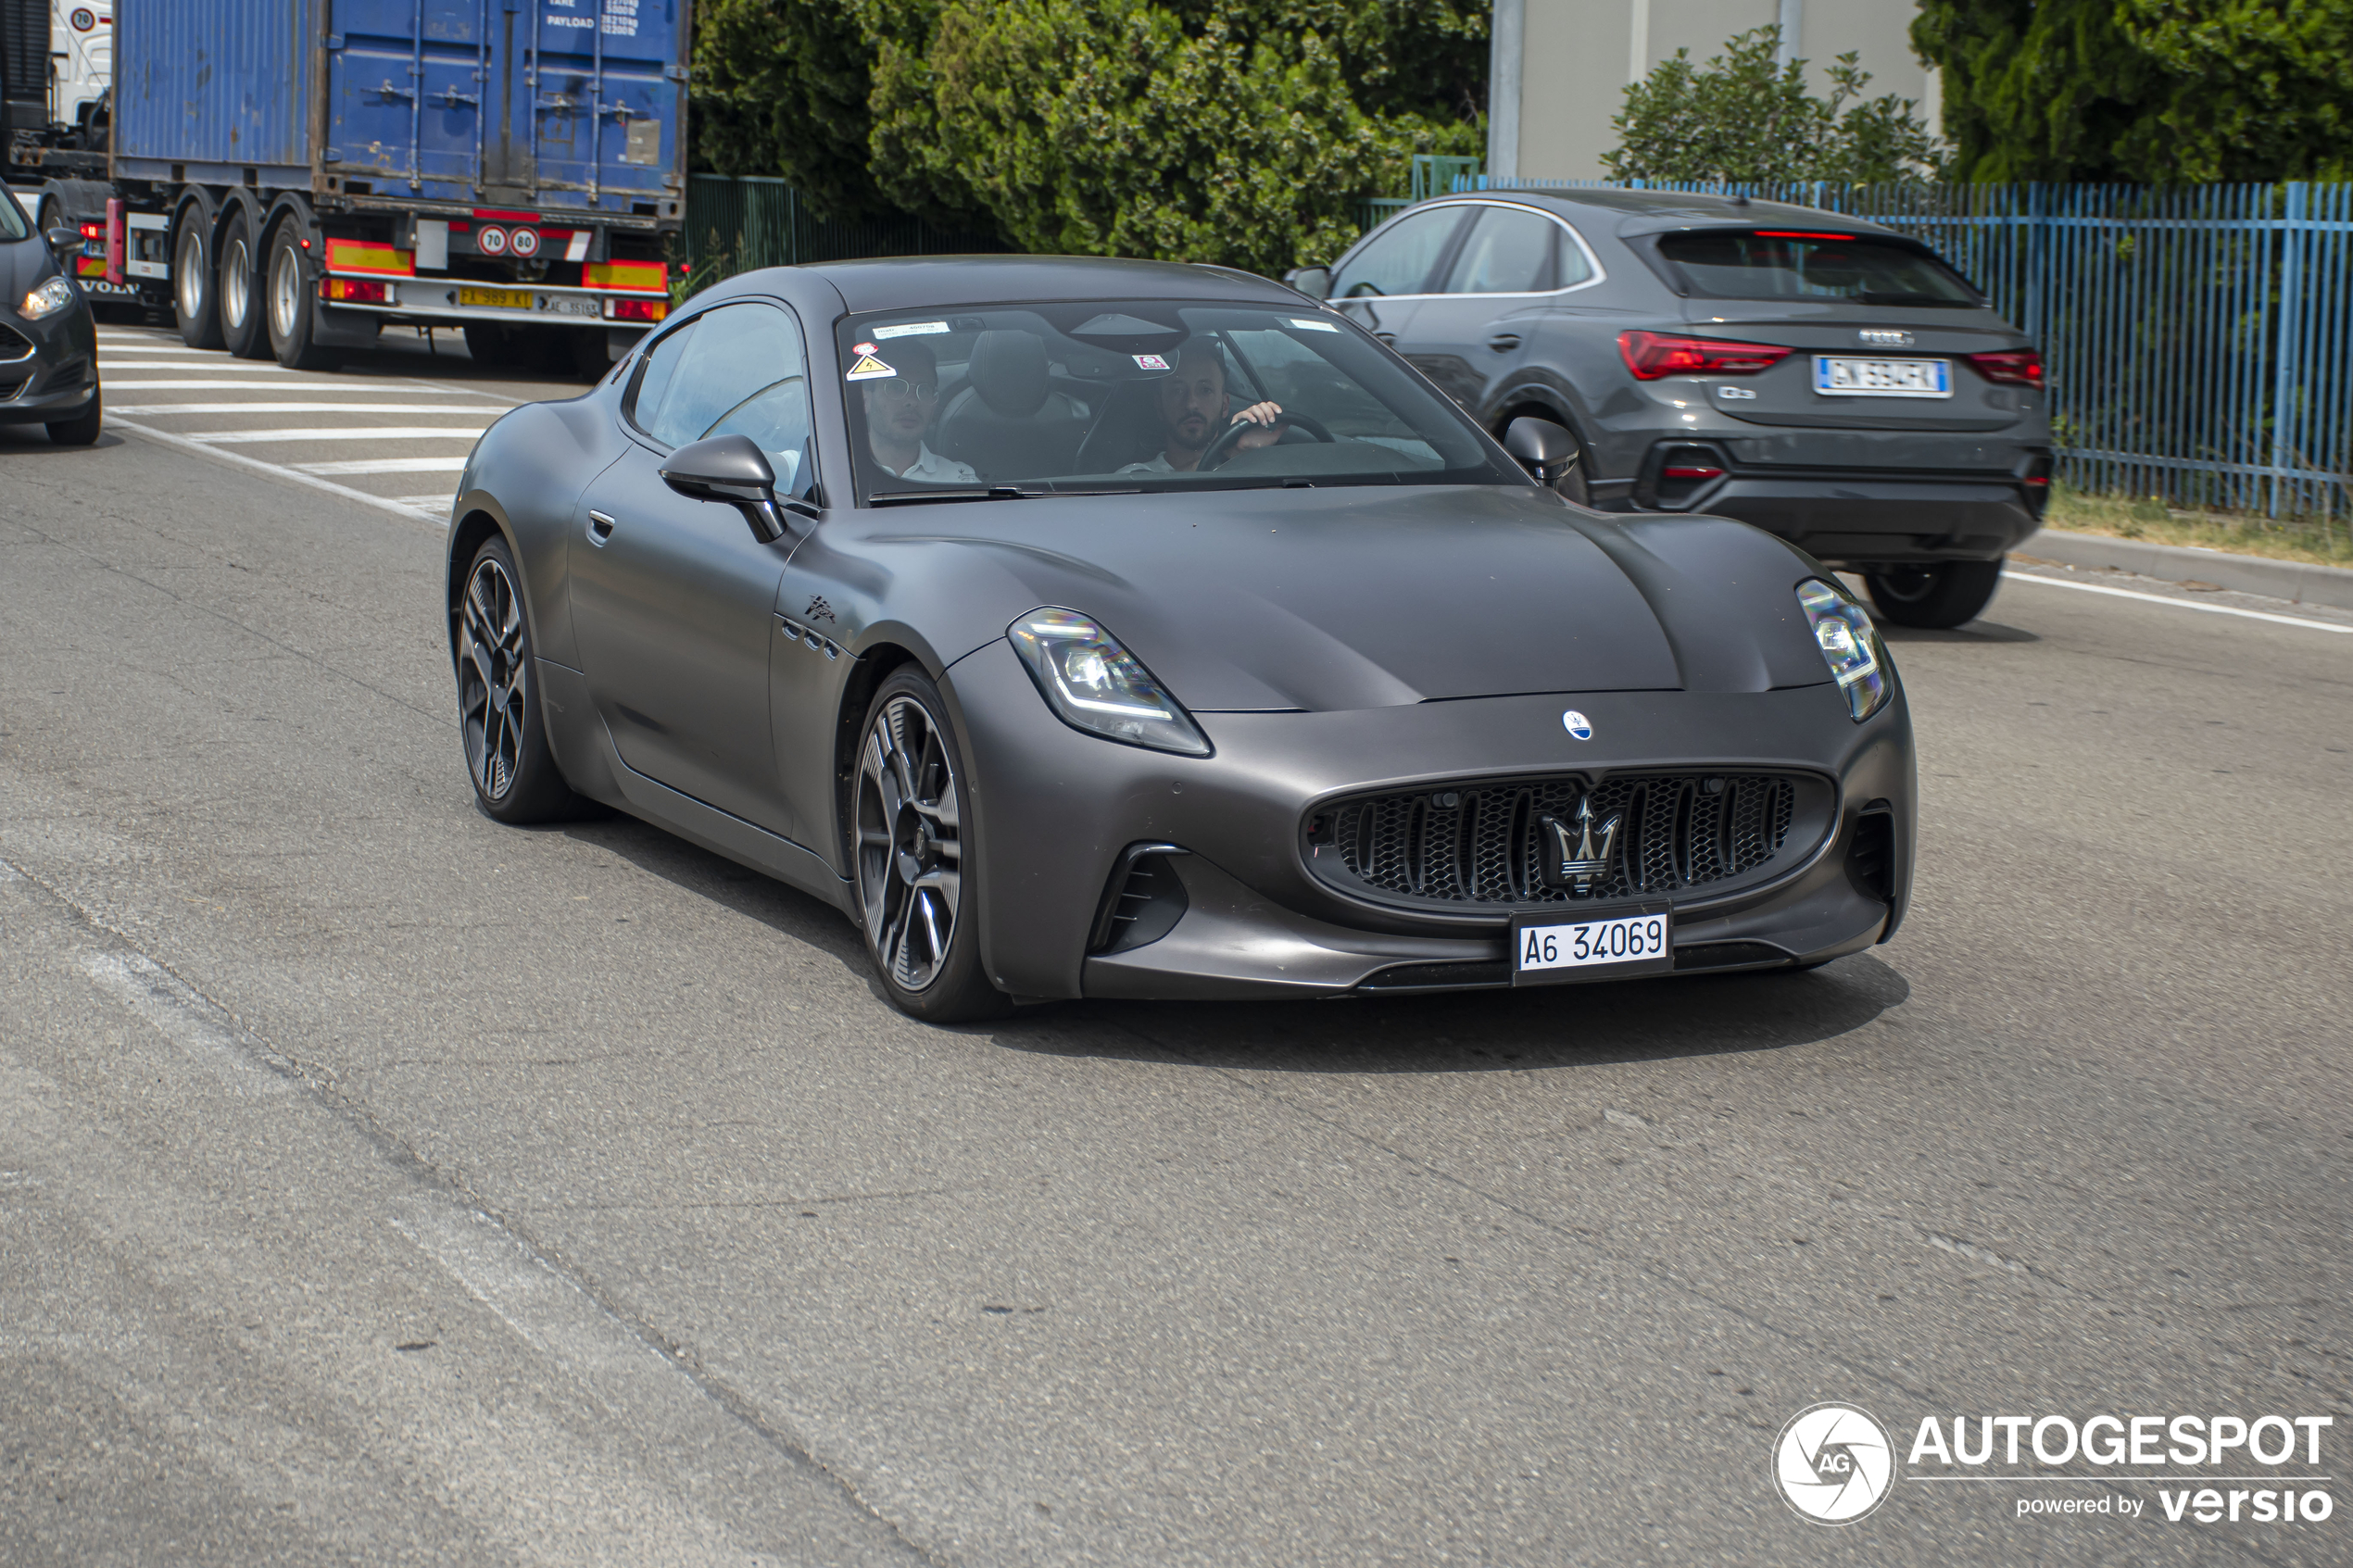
2011	366
1654	355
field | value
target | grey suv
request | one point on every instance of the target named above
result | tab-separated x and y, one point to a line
1827	380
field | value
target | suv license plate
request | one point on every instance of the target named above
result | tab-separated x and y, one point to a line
1883	378
1550	946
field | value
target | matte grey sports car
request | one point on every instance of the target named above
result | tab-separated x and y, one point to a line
1089	628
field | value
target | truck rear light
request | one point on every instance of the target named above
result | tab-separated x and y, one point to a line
94	232
635	309
2011	366
355	291
1652	355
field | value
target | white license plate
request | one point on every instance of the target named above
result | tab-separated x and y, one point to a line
1883	378
569	304
1551	947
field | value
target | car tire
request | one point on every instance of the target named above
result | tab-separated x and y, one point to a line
491	345
515	777
239	289
83	428
910	861
194	304
290	302
1941	595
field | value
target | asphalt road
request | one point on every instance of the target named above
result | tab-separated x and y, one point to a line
381	1184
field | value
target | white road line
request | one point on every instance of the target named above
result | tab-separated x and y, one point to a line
2177	603
310	407
219	362
440	501
185	1018
388	465
339	432
239	459
212	385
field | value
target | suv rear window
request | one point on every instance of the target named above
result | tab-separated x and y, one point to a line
1780	264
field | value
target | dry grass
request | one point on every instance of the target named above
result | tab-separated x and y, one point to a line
2123	517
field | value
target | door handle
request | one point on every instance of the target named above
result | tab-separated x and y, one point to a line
599	528
1503	343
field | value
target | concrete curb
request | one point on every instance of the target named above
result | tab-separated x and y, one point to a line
2299	581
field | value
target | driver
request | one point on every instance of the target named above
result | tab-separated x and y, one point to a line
899	410
1192	412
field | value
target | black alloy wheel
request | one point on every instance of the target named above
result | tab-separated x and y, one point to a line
242	332
291	293
916	884
515	773
1939	596
192	297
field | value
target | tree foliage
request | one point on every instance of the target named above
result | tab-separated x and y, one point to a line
1232	130
1745	119
2162	90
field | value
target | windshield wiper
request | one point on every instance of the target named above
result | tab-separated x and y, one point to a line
984	492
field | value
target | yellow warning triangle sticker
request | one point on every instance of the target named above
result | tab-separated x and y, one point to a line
868	368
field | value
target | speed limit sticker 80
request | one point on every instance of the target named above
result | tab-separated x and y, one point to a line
1547	947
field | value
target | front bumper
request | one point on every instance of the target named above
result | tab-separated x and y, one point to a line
1053	810
58	379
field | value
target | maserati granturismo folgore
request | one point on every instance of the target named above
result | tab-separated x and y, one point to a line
1088	628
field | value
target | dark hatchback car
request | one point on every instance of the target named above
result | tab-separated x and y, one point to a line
1830	381
48	346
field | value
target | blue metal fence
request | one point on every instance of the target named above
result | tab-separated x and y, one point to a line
2198	339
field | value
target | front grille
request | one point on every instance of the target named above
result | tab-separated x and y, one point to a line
1481	842
14	344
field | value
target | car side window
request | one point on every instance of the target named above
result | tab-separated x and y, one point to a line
1511	251
1400	258
653	384
744	371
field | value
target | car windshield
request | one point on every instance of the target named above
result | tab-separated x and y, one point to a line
1779	264
1093	395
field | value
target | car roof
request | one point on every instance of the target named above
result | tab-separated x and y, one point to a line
926	282
1652	212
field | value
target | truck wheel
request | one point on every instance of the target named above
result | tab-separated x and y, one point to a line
239	293
490	345
293	305
1944	595
191	281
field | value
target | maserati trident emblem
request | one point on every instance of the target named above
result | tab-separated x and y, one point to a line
1577	725
1578	860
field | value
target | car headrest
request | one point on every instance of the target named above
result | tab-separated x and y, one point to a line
1008	370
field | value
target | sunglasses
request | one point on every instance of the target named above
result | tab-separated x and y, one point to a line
898	389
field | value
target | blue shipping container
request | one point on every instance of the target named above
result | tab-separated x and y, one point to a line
552	105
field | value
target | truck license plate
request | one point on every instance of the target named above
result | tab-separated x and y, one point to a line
1551	947
568	304
497	299
1883	378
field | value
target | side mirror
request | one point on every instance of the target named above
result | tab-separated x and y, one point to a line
1549	453
731	469
64	241
1315	282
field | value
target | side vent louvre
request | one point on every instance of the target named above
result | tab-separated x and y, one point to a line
1870	858
1143	900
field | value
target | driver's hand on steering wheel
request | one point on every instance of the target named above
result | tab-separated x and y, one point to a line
1264	415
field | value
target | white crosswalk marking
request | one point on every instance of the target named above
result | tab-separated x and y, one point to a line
388	465
335	433
384	401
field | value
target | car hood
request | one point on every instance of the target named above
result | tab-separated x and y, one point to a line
1335	599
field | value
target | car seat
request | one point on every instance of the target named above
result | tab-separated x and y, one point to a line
1007	421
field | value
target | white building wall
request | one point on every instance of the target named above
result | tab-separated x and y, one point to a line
1576	58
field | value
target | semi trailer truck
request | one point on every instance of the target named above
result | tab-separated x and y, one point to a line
287	177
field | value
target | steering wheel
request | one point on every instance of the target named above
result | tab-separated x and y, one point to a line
1216	452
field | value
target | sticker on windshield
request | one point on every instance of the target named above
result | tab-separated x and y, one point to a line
909	329
863	349
1151	362
868	368
1315	326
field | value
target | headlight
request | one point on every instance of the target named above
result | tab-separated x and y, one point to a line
1094	685
47	300
1850	646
